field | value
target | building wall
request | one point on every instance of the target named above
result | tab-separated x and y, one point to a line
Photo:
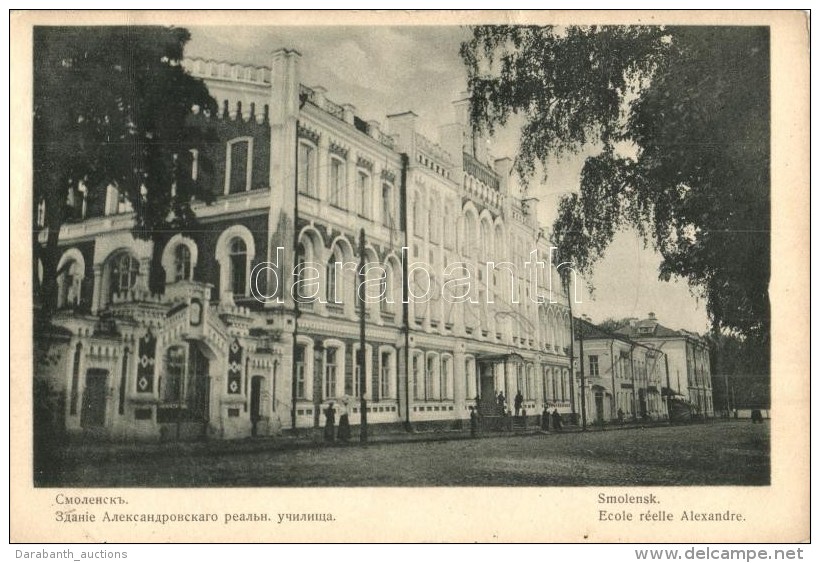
628	378
200	359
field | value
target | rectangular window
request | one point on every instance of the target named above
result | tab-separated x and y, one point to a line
434	222
364	194
430	377
530	384
337	182
445	378
449	227
469	377
519	380
387	206
593	366
237	166
418	217
354	384
174	375
384	375
238	267
300	372
330	373
545	374
418	389
123	203
357	374
306	179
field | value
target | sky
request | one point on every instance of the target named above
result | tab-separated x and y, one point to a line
391	69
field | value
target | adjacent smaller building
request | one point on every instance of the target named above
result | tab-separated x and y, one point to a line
623	379
687	354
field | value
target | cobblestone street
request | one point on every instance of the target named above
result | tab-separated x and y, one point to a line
714	453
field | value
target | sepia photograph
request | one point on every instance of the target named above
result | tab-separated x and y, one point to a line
297	254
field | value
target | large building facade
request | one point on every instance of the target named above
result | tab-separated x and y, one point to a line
256	327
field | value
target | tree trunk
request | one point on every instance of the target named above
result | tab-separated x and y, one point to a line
156	277
48	254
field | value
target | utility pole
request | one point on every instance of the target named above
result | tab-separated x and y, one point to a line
634	390
668	389
574	416
362	350
583	380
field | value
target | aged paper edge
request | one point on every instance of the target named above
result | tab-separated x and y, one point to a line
777	513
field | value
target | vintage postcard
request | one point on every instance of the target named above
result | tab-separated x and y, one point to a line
409	277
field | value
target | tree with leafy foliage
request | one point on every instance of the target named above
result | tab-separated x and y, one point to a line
110	109
680	117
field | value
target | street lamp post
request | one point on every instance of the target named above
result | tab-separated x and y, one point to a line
362	352
583	379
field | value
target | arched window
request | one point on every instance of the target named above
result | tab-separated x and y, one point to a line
69	283
300	270
331	292
470	234
182	263
387	302
238	256
179	259
124	271
334	286
486	241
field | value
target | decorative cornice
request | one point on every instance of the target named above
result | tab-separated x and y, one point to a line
309	134
362	162
388	175
338	150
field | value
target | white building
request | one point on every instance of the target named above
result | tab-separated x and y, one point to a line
690	374
205	355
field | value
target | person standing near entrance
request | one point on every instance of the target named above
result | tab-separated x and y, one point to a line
556	420
330	423
473	421
519	400
344	421
545	419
